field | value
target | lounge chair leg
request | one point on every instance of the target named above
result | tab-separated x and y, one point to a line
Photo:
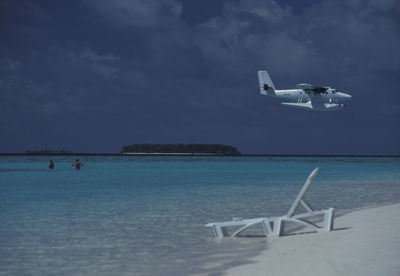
220	234
267	227
279	227
328	219
217	231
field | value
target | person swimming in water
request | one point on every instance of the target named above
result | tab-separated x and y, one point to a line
51	165
77	164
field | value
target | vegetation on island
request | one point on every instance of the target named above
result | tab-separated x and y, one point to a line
216	149
47	151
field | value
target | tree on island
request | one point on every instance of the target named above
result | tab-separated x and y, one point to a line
182	149
48	151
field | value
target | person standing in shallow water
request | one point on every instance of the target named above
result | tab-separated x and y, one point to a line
77	164
51	165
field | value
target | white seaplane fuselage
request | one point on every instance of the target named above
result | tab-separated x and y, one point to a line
331	99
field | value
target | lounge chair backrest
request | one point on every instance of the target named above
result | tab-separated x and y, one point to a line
299	198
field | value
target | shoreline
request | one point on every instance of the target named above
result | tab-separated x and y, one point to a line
364	242
200	155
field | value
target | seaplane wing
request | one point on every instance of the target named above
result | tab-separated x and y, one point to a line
308	88
304	86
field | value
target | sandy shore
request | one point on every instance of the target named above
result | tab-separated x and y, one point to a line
365	242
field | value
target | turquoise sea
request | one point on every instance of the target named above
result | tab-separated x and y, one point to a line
129	215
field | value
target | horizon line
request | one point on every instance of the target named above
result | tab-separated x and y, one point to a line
200	155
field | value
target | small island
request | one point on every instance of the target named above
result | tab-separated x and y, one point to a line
48	152
181	149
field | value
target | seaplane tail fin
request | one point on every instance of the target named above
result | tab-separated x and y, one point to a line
266	85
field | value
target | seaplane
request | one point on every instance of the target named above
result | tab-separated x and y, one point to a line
306	96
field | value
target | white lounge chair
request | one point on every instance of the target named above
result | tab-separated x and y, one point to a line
274	226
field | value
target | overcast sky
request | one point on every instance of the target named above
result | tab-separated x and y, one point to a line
94	75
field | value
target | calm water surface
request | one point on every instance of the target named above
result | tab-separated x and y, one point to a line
146	215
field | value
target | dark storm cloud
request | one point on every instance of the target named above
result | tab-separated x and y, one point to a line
332	37
117	72
138	14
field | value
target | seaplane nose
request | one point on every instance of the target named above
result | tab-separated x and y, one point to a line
344	96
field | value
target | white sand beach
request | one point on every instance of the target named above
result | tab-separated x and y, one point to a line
365	242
